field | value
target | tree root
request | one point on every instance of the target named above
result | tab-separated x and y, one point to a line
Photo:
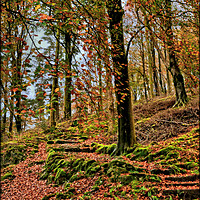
180	102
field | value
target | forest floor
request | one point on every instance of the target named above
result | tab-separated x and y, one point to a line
75	161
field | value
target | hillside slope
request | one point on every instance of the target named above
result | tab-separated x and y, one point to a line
75	162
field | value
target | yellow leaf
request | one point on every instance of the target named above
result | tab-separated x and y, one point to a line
57	89
37	7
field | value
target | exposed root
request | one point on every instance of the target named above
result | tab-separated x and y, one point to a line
180	102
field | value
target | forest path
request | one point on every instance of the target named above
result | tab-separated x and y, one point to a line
26	183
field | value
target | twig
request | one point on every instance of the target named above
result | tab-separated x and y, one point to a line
174	122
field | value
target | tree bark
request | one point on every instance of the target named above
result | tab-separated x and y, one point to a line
181	96
143	69
18	83
153	63
54	114
126	131
68	79
5	108
160	72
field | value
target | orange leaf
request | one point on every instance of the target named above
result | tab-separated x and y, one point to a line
15	89
6	51
57	89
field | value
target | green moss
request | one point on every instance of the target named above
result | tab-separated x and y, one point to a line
165	153
61	176
47	197
76	177
60	164
152	178
65	195
171	155
93	170
8	175
86	164
84	137
187	165
95	188
67	186
78	162
143	120
50	179
125	180
110	148
44	175
102	148
13	155
140	153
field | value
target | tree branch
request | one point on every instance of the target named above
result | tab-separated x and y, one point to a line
129	43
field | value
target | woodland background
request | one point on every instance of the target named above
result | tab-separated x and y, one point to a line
99	99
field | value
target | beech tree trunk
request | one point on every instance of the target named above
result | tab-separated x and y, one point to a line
181	96
153	63
160	73
126	132
54	114
167	71
144	70
68	78
5	108
18	85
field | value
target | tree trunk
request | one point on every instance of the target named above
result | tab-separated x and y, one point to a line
5	108
54	114
111	110
143	69
167	72
68	79
160	73
11	113
181	96
18	85
153	63
150	70
126	132
100	88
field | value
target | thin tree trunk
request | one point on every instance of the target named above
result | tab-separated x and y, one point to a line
153	62
11	113
150	65
144	70
68	79
160	73
54	114
5	108
18	83
111	110
181	96
167	72
100	88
